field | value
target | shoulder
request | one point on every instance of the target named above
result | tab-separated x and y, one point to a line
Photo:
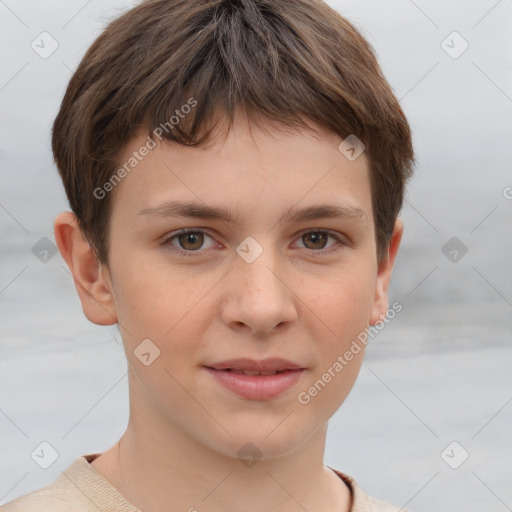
363	502
79	488
55	497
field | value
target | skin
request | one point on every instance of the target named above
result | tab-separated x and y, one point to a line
185	429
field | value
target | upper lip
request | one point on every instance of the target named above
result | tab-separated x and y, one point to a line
265	365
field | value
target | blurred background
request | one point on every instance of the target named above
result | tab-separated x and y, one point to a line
428	423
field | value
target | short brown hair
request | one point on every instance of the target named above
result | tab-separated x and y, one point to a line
290	61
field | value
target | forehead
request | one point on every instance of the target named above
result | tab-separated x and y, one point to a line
258	169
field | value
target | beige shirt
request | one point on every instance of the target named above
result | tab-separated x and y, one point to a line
80	488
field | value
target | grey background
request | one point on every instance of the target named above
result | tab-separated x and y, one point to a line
438	373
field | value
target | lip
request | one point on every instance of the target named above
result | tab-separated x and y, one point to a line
265	365
256	387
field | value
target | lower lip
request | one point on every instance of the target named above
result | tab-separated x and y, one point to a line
257	387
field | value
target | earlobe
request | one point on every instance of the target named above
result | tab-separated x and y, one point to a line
381	302
91	279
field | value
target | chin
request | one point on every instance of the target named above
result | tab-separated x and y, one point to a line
255	440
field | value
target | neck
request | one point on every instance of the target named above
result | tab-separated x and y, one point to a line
157	465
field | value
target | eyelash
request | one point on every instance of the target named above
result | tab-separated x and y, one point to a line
198	252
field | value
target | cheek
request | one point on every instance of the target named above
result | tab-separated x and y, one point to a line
345	311
344	304
342	301
163	304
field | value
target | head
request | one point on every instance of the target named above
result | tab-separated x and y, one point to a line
239	107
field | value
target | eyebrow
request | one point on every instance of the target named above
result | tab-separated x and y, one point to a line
201	211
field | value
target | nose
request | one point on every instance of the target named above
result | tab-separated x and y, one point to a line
258	296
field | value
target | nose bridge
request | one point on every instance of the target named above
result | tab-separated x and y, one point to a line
260	265
259	296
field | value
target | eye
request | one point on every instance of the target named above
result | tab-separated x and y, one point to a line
316	241
187	241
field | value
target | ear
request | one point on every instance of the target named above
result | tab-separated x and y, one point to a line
92	279
381	302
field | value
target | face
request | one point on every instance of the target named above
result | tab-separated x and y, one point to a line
291	274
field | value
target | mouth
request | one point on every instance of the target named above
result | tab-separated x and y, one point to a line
256	380
268	366
249	372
